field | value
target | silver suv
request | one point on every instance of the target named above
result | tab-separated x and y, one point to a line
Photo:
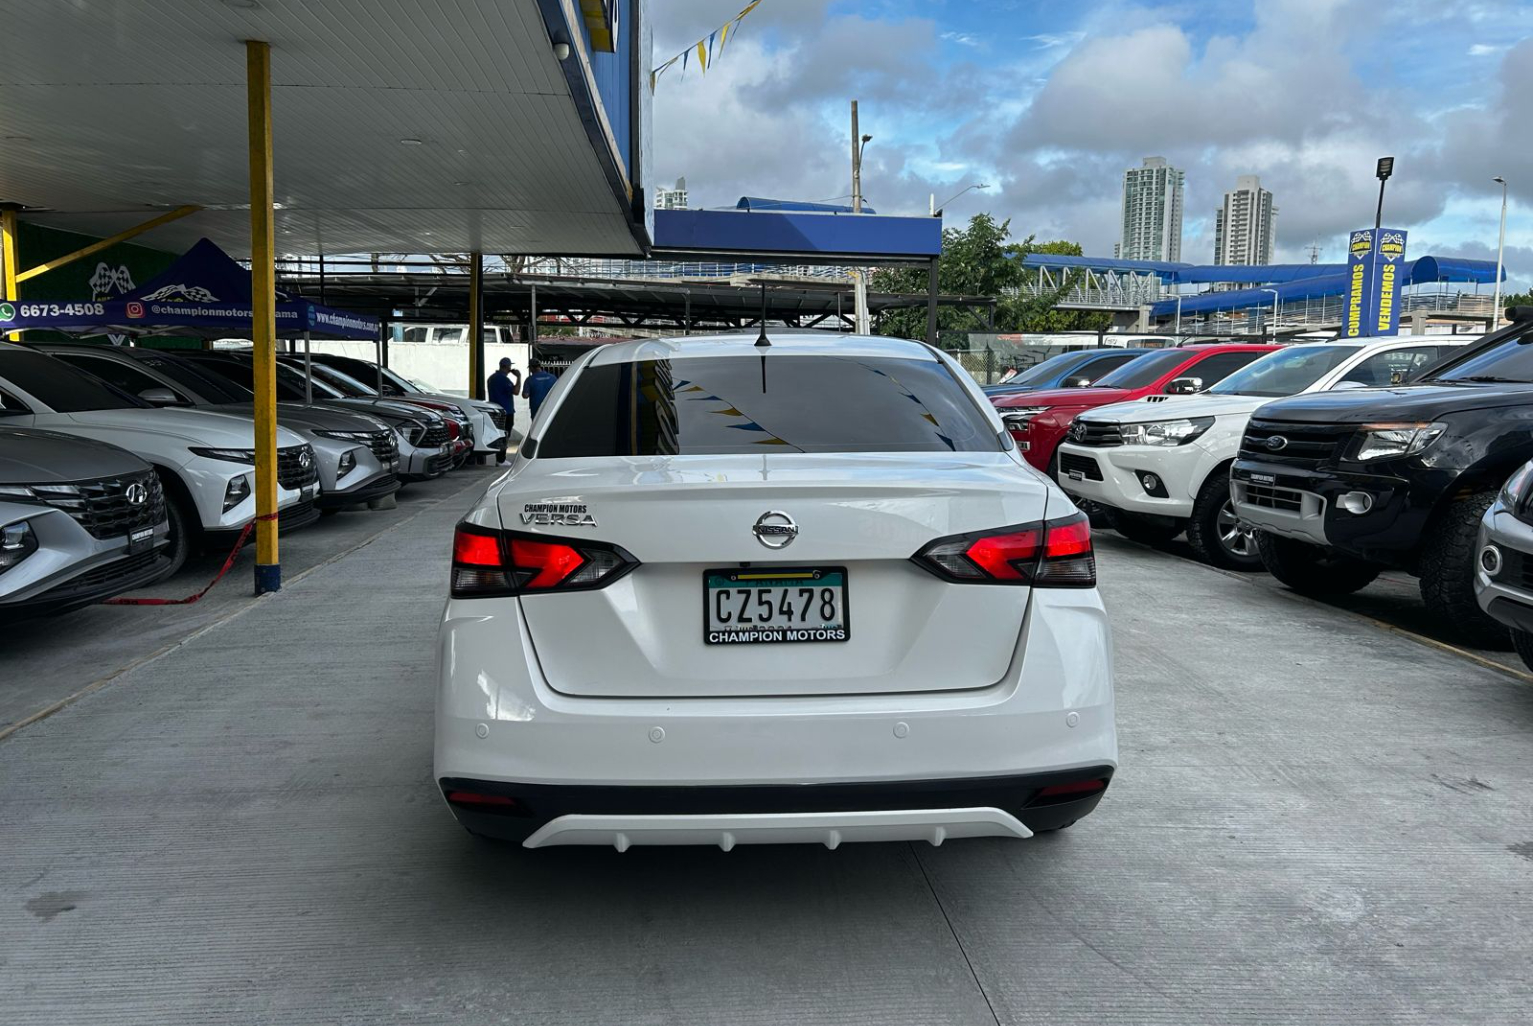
357	453
80	521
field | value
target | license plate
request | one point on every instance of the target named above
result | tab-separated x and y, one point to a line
746	606
140	540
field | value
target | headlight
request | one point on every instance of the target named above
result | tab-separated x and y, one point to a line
1516	485
346	436
1022	412
229	455
1165	432
348	463
17	542
1385	441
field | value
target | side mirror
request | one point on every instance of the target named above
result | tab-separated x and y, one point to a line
1076	381
1185	386
160	397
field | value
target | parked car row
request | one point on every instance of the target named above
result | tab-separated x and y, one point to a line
1328	463
117	463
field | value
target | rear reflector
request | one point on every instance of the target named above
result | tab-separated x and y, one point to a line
487	562
1050	554
1075	788
486	802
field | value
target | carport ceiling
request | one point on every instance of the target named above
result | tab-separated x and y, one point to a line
111	111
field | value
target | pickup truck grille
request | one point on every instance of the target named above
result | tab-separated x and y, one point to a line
1304	444
1268	497
108	507
296	466
1096	433
1084	465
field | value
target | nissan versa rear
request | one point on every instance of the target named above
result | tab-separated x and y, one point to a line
737	592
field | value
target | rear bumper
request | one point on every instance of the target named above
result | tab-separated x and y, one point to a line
829	814
499	723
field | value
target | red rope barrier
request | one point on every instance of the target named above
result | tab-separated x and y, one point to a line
229	562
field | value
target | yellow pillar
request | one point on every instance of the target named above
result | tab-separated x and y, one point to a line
263	327
476	373
8	262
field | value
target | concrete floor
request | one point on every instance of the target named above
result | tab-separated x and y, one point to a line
1316	822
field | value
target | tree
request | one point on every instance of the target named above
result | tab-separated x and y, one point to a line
977	260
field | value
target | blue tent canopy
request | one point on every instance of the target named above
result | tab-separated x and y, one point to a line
204	294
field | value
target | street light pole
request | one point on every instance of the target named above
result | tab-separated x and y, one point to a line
1178	329
858	143
1274	311
1385	168
937	209
1495	313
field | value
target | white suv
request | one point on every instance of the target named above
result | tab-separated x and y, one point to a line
706	606
1160	465
205	460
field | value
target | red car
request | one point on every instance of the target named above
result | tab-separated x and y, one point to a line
1038	420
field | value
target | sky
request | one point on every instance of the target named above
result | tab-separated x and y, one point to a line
1049	102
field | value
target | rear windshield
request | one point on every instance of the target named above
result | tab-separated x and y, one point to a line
60	387
1144	370
734	404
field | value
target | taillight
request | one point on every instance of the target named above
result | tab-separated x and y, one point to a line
1045	554
487	562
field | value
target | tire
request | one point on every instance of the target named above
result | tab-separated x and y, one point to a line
1447	571
1139	527
185	531
1214	533
1310	569
1522	641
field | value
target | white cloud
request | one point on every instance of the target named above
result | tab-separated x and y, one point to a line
963	38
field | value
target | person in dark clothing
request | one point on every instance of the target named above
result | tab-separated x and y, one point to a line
504	386
539	382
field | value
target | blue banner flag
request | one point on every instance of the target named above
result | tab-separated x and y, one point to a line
1375	275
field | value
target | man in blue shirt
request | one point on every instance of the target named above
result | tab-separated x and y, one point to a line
539	381
502	392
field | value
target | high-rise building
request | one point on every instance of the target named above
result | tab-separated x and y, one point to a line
672	199
1243	225
1152	212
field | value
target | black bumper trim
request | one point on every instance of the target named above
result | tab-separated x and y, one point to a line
538	804
68	595
377	488
1516	615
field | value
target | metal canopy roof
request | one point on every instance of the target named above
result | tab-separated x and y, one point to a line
438	297
110	112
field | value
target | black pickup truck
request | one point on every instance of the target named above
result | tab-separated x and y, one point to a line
1345	484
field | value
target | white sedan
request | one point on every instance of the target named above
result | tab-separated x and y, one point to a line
804	591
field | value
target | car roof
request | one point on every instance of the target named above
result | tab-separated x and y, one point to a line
787	343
